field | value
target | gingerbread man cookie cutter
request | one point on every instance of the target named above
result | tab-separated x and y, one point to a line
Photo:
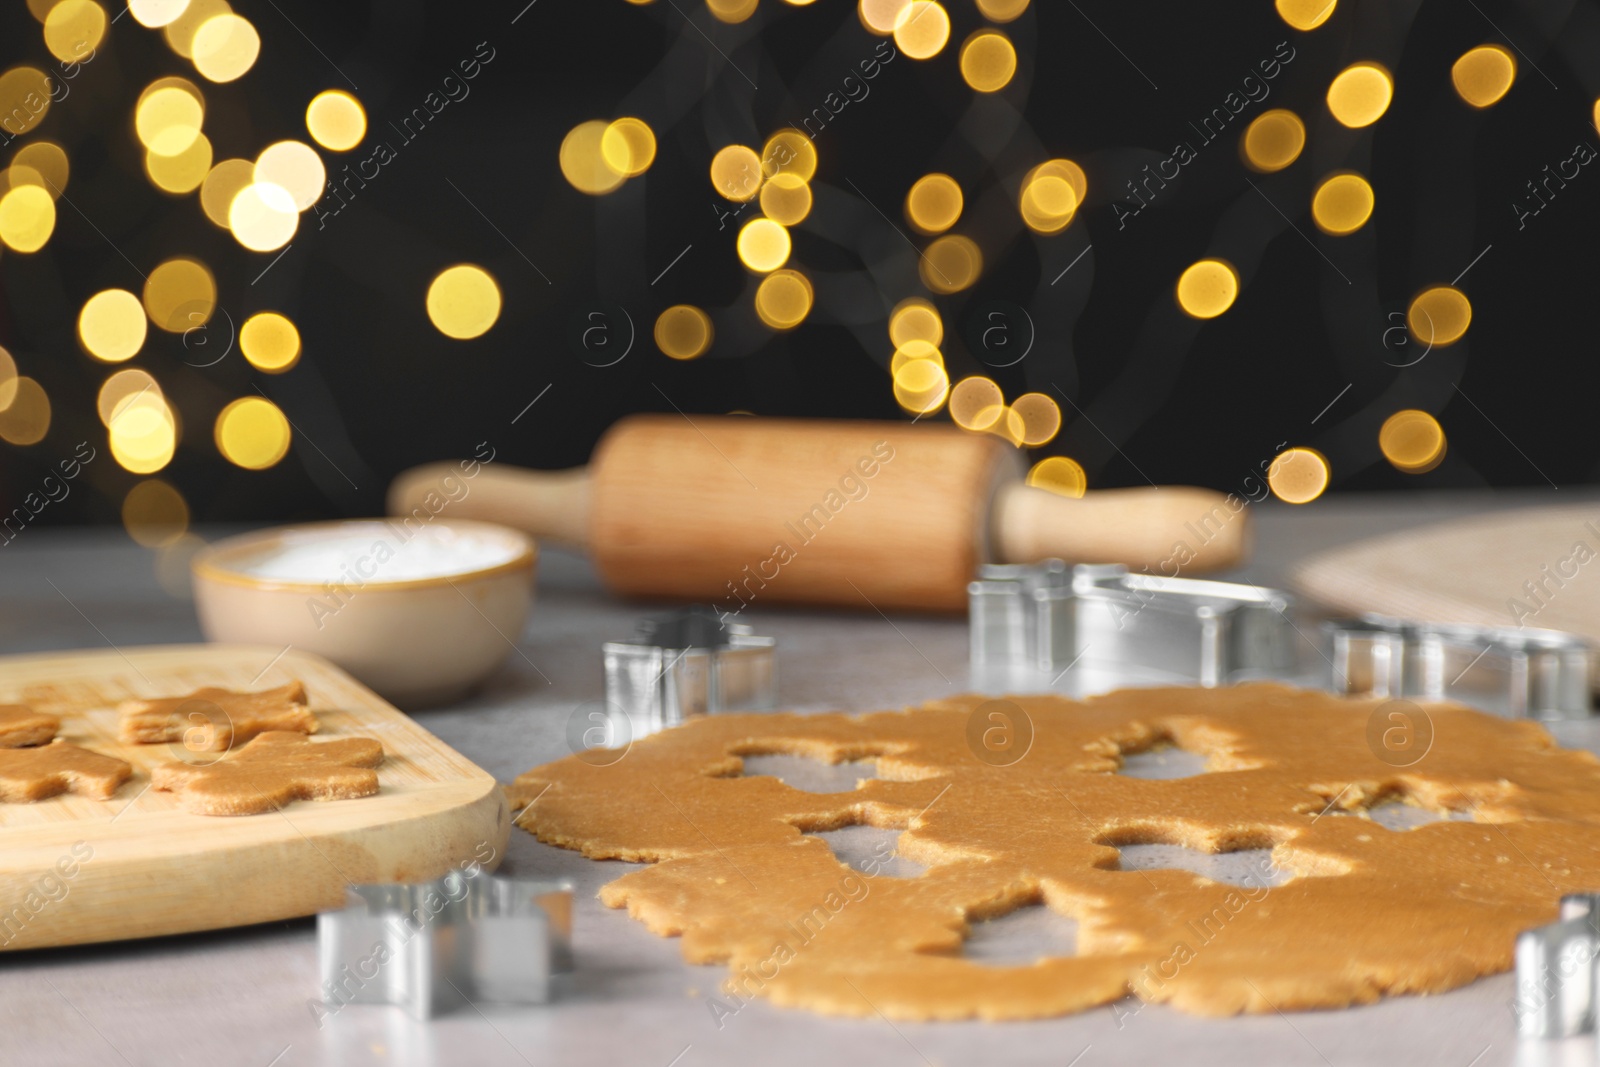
1039	619
431	946
1557	992
688	663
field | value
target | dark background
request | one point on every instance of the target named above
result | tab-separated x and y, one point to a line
1113	85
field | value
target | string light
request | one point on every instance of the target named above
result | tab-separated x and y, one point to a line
1060	475
26	420
294	167
583	159
252	433
179	295
921	29
1360	94
683	332
1273	140
155	514
1439	316
112	325
988	61
736	173
628	146
1298	475
783	299
786	199
463	301
950	264
1207	288
1483	75
1412	440
336	120
976	403
934	203
27	218
269	342
1342	204
915	319
225	47
1041	418
1305	14
763	245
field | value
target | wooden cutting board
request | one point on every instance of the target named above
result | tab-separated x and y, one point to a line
1536	567
141	866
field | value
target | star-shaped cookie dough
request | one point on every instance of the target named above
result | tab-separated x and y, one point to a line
277	767
212	719
28	774
20	726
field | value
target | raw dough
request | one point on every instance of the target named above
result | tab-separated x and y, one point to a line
28	774
212	719
20	726
277	767
1366	910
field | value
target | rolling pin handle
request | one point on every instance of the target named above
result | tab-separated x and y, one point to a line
1168	530
550	505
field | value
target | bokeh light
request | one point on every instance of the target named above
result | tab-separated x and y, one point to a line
1412	440
27	218
463	301
1002	10
263	216
74	29
763	245
789	152
168	117
1208	288
154	14
934	203
225	47
683	332
915	319
26	419
296	168
1009	426
1360	94
988	61
24	99
1273	140
912	351
120	387
628	146
180	31
1060	475
950	264
731	10
252	433
1298	475
1305	14
48	160
786	199
1439	316
143	432
336	120
921	29
1047	202
182	173
583	159
180	295
1483	75
112	325
976	403
226	180
8	379
1041	418
921	386
1342	204
784	298
155	514
879	16
270	342
736	172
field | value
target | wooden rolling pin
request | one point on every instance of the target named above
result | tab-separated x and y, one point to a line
735	510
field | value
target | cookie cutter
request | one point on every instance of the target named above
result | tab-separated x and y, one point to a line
1540	674
431	946
688	663
1556	972
1041	618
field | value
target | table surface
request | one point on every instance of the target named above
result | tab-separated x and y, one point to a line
244	996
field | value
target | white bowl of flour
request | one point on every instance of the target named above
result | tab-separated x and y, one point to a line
420	610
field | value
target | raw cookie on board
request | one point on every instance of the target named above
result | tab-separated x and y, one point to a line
213	719
20	726
275	768
28	774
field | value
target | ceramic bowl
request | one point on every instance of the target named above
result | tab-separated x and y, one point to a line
416	640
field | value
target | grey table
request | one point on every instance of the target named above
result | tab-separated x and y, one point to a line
243	996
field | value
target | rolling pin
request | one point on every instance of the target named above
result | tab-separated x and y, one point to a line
883	515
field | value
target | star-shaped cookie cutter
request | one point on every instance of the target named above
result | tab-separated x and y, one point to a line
431	946
688	663
1557	992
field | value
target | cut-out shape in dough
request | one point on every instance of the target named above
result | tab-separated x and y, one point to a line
1399	816
1021	937
1249	868
871	851
1163	763
809	775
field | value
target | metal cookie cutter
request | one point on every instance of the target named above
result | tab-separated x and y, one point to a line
1541	674
430	946
1042	618
1556	986
689	663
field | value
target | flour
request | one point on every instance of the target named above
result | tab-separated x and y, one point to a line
375	552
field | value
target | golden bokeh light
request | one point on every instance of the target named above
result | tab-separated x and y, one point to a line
336	120
27	218
1002	10
1208	288
988	61
74	29
1041	418
1273	140
683	332
731	10
763	245
1009	426
628	146
252	433
180	31
180	295
1360	94
26	419
915	319
1059	475
1342	204
783	299
921	30
1298	475
8	379
1483	75
270	342
789	152
263	216
143	432
921	386
976	403
225	181
786	199
24	99
155	514
121	387
182	173
1047	202
950	264
154	14
879	16
40	9
1412	440
225	47
583	159
295	167
112	325
1439	316
48	160
463	301
934	203
1305	14
736	173
914	350
168	119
